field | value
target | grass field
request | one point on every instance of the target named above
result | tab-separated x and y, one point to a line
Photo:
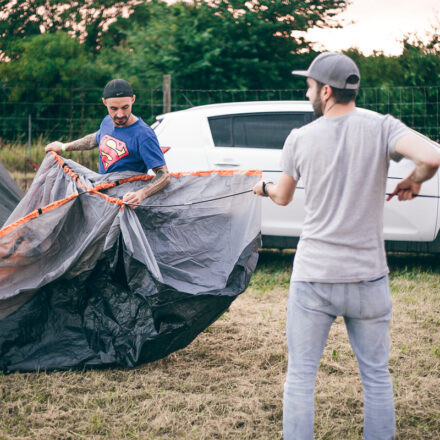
13	156
228	383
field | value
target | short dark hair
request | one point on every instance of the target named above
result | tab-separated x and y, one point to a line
341	96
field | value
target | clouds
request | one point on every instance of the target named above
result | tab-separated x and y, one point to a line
378	25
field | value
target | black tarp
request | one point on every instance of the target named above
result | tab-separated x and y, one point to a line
85	282
10	194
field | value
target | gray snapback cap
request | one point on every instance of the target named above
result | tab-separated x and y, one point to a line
334	69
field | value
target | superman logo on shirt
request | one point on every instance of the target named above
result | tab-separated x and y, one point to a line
111	150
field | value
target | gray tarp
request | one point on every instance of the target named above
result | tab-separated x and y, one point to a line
10	194
85	282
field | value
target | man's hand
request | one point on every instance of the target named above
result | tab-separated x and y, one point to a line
423	152
85	143
159	181
54	146
280	193
405	190
133	197
258	189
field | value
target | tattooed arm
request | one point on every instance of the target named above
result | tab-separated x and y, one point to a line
86	143
160	181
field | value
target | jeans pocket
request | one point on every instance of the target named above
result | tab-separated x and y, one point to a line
312	295
375	298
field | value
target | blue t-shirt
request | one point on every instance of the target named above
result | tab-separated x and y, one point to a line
132	148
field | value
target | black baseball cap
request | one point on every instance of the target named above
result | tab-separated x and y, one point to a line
335	69
117	88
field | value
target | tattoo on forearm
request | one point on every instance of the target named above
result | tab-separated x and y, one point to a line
159	181
86	143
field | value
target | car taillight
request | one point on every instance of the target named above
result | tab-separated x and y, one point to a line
165	149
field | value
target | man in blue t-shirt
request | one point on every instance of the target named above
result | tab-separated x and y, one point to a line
126	142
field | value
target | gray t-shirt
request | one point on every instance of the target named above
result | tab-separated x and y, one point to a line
343	163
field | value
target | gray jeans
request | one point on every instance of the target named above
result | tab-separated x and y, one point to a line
312	308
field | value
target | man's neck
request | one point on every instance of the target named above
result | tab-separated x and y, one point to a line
131	120
333	110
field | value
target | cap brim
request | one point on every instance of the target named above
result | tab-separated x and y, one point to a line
300	72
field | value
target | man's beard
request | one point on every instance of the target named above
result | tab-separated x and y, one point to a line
121	121
317	106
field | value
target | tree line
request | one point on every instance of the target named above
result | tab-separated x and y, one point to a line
57	55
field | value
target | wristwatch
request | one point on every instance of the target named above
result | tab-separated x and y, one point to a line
263	188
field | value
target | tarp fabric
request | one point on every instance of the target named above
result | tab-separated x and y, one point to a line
86	282
10	194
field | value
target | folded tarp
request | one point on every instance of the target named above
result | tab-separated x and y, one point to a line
87	282
10	194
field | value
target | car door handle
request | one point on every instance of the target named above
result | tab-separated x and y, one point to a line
227	164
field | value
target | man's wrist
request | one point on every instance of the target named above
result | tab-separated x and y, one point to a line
264	188
418	176
142	193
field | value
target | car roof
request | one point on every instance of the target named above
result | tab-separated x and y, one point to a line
243	107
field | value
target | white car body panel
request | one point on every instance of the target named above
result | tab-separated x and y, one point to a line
192	148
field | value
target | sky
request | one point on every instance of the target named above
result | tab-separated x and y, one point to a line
379	25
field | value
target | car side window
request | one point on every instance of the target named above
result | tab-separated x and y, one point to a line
221	130
256	130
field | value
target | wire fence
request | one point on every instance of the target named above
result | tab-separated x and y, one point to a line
68	114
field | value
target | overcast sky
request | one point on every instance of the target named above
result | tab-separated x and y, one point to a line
379	25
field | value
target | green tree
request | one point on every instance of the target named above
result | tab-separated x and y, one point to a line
50	79
49	65
220	44
420	62
417	66
406	85
83	19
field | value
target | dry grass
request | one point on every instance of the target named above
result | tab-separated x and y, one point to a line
228	383
13	157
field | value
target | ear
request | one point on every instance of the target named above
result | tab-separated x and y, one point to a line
133	98
104	102
327	92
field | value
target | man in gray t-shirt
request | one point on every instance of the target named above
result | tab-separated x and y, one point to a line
343	162
340	265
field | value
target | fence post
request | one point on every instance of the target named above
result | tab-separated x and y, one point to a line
166	90
29	135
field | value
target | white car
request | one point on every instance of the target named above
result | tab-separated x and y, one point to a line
250	135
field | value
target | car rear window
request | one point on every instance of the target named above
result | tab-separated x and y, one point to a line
257	130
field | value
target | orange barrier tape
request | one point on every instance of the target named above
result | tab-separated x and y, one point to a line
219	172
106	197
37	212
67	170
206	173
104	185
145	177
107	185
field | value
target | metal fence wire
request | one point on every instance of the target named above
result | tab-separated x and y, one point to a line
68	114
